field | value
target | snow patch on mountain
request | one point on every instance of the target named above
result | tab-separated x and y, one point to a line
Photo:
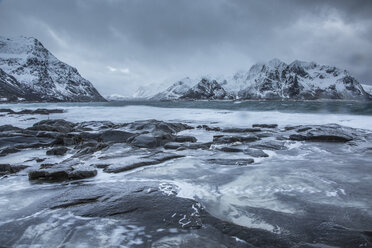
40	74
274	80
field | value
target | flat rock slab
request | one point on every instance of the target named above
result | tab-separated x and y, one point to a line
187	145
265	125
56	174
240	162
10	169
269	145
223	139
256	153
321	136
133	162
241	130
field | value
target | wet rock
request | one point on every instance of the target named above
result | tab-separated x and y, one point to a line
152	140
229	149
208	128
39	160
145	141
240	162
9	111
269	145
155	125
40	111
303	129
48	175
10	169
46	165
187	145
8	150
183	138
256	153
22	141
322	136
140	161
231	139
96	125
101	166
90	149
81	174
289	127
57	125
58	151
265	135
115	136
68	139
265	125
46	134
174	145
61	174
241	130
33	112
10	128
138	202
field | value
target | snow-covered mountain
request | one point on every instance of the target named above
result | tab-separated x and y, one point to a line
275	80
175	91
28	71
367	88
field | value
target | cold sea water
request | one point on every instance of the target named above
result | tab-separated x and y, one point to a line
302	194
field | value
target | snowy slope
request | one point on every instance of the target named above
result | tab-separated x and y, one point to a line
42	75
367	88
175	91
277	80
206	89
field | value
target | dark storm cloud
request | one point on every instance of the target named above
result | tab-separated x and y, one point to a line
120	45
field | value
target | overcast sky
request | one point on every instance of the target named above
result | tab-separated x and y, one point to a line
120	45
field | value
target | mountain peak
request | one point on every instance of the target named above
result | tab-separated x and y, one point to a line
275	79
37	75
275	63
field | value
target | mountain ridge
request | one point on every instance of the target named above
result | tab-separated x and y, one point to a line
30	72
273	80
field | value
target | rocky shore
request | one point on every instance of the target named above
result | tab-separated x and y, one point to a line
80	151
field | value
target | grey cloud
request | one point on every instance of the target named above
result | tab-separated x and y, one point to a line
163	40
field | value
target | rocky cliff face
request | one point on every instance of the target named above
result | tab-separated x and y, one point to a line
30	72
276	80
206	90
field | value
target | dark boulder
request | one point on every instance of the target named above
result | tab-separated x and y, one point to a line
57	173
155	125
58	151
9	169
183	138
151	140
115	136
256	153
269	145
241	130
57	125
321	137
9	128
229	149
224	139
265	125
9	150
